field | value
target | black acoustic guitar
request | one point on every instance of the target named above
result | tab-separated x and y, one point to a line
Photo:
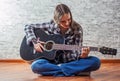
53	43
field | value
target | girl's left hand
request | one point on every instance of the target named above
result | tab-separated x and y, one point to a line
84	53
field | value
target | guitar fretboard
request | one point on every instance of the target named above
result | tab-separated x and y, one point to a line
72	47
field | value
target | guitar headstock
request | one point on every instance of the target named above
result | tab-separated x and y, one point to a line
108	51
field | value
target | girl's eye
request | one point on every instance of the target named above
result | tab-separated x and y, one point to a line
63	21
66	21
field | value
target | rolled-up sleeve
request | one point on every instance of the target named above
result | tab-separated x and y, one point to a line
29	33
29	30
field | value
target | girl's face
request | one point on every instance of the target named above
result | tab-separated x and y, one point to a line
65	21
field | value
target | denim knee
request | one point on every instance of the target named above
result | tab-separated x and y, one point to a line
96	62
36	66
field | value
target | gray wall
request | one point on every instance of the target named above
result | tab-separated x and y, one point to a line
100	20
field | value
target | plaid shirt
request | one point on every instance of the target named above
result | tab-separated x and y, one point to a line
71	38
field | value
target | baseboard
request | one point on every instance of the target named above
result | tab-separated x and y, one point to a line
110	60
12	60
23	61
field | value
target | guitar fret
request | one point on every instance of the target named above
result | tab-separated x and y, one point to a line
94	49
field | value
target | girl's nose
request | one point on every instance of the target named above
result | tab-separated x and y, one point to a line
67	22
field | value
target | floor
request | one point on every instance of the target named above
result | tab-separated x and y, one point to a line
20	71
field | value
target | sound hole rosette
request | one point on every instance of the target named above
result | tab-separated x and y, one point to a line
48	46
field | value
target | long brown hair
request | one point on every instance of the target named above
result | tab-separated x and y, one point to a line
62	9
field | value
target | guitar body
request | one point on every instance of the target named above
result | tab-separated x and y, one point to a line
27	51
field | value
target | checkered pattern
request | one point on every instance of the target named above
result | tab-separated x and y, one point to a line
71	38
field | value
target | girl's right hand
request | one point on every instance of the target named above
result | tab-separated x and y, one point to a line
38	46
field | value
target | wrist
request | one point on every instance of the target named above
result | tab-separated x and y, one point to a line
34	41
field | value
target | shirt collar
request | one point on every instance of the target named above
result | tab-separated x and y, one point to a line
68	31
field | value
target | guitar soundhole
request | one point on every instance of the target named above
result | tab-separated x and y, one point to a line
49	45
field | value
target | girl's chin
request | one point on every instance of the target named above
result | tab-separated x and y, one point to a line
66	27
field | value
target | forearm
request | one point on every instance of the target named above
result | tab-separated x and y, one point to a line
29	33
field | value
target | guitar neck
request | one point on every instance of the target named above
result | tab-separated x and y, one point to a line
72	47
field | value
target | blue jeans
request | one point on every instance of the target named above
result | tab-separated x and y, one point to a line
45	68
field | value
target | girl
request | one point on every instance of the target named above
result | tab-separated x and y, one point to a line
70	63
